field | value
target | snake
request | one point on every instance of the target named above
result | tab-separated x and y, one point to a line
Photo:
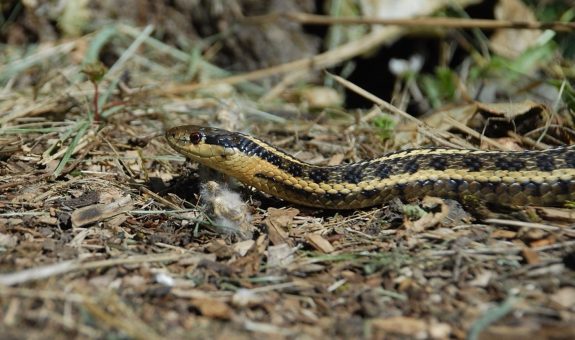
515	178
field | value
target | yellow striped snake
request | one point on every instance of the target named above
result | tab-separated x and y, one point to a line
516	178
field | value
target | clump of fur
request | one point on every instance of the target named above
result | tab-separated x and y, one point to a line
230	212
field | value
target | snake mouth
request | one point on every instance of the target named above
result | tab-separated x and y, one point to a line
187	140
198	142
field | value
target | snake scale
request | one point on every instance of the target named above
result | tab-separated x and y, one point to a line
516	178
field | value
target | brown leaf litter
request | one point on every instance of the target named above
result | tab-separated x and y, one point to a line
106	232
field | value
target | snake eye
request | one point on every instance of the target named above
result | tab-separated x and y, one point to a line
196	137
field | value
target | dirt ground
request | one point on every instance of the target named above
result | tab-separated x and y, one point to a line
106	232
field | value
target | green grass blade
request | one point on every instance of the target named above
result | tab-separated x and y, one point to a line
83	127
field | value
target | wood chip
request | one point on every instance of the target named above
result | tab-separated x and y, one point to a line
213	308
320	243
98	212
243	247
399	325
506	234
530	256
567	215
543	242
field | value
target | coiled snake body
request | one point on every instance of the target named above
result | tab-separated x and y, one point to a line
516	178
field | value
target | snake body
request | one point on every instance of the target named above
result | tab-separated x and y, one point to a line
516	178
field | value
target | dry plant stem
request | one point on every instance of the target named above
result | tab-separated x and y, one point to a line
39	177
122	166
45	294
305	18
81	156
159	199
528	141
54	187
494	251
96	97
288	80
529	225
73	265
423	128
30	110
464	128
320	61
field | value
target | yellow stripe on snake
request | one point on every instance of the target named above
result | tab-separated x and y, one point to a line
513	178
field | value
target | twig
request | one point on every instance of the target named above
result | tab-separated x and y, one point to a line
506	251
488	24
522	224
528	141
464	128
69	266
320	61
422	127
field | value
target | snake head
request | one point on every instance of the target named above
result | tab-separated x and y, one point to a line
200	143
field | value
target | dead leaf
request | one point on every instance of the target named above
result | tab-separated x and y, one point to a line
534	234
249	265
439	120
498	118
512	110
505	143
278	222
116	221
451	214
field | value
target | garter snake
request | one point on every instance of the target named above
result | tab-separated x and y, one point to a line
515	178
